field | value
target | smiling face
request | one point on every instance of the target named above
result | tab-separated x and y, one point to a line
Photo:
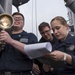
18	21
60	28
46	33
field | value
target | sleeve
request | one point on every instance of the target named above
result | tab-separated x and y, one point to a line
73	60
73	56
32	38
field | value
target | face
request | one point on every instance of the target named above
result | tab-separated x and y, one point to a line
18	21
46	33
59	30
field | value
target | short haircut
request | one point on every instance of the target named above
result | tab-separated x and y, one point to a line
43	25
17	13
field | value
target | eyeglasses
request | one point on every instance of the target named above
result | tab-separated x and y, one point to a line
18	18
47	31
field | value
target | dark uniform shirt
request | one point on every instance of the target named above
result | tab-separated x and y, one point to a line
12	59
53	42
67	46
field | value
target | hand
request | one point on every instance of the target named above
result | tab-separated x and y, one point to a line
47	68
1	42
36	69
56	55
4	36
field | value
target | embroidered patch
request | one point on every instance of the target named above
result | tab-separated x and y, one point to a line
24	40
72	47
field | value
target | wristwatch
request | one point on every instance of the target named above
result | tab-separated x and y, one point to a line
64	58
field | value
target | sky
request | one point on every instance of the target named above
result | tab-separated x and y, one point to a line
37	11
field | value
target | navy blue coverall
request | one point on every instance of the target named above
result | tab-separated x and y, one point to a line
12	60
67	46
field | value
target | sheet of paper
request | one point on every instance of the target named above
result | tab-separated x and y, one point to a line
38	49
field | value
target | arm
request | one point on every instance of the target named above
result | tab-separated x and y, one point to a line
18	45
4	36
67	58
61	56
